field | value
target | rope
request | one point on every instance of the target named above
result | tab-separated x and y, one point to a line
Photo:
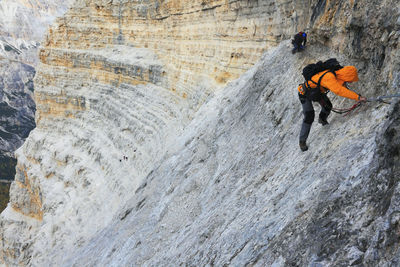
347	111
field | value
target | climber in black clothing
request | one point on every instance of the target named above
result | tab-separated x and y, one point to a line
299	42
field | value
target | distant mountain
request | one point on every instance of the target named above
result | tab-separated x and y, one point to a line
17	108
23	24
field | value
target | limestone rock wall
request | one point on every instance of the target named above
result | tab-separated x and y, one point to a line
23	24
201	44
365	31
120	81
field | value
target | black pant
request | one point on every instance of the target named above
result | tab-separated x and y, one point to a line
297	47
309	113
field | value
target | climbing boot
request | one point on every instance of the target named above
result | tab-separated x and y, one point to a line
323	122
303	146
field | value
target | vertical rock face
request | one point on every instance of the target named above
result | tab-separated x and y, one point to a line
17	111
22	27
351	28
200	44
144	154
16	107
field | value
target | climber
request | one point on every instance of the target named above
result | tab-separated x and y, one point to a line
299	42
316	89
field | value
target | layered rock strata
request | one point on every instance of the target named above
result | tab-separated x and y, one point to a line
118	83
201	44
22	27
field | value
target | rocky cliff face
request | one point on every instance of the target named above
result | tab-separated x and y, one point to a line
145	154
22	27
16	104
200	45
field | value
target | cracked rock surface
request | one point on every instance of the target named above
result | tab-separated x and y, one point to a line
167	134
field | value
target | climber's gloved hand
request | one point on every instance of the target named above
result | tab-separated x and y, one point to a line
362	99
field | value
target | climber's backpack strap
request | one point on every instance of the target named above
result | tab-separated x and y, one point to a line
315	94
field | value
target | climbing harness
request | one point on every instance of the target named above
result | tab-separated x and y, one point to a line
347	111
